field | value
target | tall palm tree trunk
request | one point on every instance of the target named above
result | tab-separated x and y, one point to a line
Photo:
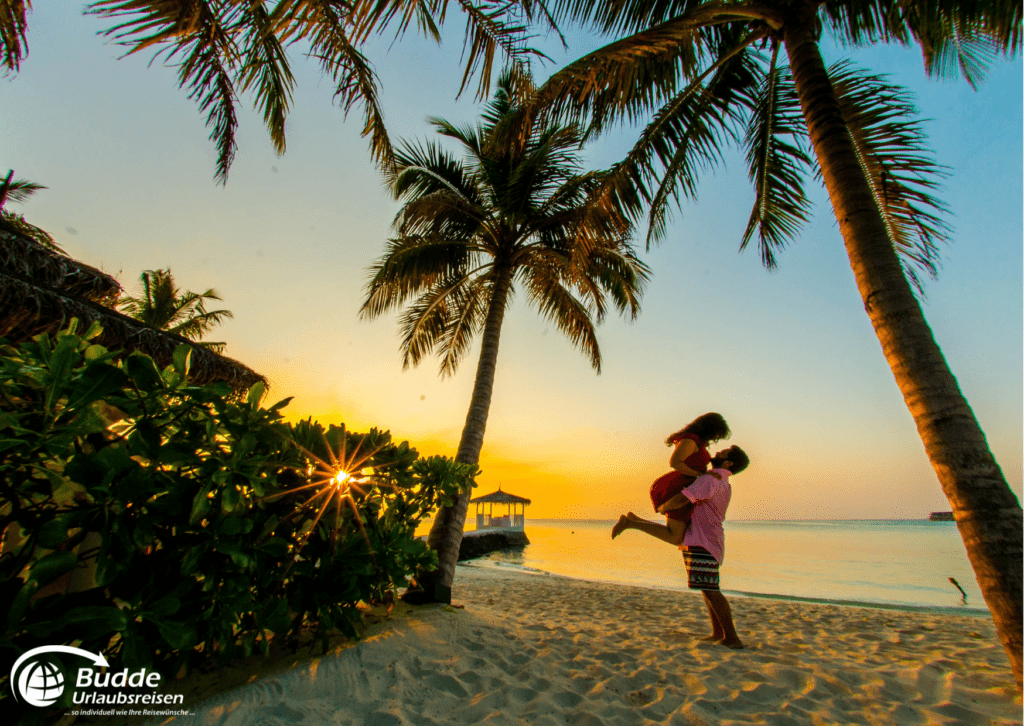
987	513
446	532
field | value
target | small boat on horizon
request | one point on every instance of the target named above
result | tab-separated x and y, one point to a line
941	517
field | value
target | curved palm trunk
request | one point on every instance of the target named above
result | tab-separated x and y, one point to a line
987	513
446	532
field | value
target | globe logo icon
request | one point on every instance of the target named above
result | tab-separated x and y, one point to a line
41	683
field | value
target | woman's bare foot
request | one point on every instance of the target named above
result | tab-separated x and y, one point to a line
620	526
734	643
710	638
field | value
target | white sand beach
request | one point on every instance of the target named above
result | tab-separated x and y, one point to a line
537	649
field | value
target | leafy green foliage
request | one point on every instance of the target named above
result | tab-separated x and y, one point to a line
198	525
165	307
515	210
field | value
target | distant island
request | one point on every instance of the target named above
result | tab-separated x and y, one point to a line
941	517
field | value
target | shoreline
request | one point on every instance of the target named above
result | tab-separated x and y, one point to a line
535	572
518	648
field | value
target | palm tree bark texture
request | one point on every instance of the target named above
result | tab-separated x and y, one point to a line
445	535
987	513
522	213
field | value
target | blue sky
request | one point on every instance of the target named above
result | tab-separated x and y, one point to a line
789	357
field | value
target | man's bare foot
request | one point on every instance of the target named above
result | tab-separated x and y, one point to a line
620	526
711	638
734	643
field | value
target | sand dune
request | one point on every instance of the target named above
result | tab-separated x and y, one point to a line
549	650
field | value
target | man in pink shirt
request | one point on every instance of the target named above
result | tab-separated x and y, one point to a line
703	546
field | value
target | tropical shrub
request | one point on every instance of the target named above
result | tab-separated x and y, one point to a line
199	525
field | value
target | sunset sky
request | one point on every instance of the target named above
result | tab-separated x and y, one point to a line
789	357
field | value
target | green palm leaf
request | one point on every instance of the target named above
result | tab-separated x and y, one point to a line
164	307
411	265
957	37
892	146
17	190
515	201
13	33
199	36
265	67
778	163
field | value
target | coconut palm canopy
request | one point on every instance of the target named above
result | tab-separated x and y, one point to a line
42	289
516	210
708	73
225	49
163	306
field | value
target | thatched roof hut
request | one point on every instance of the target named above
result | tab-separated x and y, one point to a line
41	289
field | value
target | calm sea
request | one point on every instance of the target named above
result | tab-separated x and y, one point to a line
879	562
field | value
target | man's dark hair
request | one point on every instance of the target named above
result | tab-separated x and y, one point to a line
739	459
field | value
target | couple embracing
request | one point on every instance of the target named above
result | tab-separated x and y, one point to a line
694	499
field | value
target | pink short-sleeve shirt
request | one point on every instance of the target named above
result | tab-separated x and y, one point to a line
710	497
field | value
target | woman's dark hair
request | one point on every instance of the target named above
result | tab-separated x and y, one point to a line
709	427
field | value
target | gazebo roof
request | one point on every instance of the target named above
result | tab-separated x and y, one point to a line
41	289
500	497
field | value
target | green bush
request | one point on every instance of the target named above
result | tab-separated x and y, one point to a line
200	522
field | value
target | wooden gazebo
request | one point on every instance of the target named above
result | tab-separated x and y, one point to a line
513	517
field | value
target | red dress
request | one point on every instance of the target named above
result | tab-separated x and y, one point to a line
667	486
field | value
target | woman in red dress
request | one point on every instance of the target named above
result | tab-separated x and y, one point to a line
690	459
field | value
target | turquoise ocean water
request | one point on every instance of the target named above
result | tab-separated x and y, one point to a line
901	563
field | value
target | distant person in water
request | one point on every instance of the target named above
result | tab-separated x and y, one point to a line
690	459
703	544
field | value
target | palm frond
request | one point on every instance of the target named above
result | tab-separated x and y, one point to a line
623	80
410	265
956	37
13	33
449	216
492	26
202	34
200	323
688	135
17	190
621	275
953	54
892	147
425	322
777	166
422	169
557	304
328	27
265	66
489	29
464	322
516	202
164	306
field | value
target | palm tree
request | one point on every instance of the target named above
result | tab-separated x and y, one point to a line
19	190
226	47
516	210
707	73
165	307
